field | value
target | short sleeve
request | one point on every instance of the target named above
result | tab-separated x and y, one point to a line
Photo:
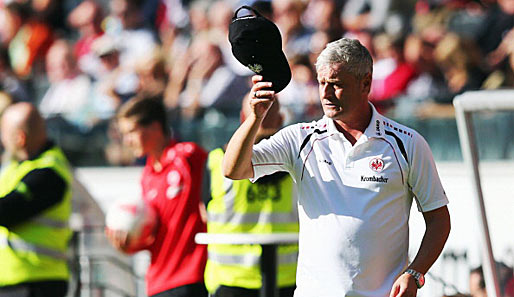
273	154
423	179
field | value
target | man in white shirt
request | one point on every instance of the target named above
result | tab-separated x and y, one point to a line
356	173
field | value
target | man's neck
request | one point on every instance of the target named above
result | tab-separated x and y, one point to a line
157	152
21	156
34	150
355	124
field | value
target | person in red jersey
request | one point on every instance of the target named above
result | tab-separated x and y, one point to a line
171	184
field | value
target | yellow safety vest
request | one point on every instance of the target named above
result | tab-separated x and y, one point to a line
238	206
36	250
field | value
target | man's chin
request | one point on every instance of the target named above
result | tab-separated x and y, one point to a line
331	114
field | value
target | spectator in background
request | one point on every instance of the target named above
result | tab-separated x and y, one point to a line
467	18
477	287
477	283
296	37
182	38
115	83
209	81
152	76
430	14
177	40
32	40
198	17
126	26
180	55
391	16
500	20
391	73
53	13
419	52
323	15
504	48
70	90
171	184
318	41
175	14
87	18
502	60
219	16
460	61
9	82
35	206
11	18
300	100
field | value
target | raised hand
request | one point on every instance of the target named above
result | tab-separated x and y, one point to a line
261	97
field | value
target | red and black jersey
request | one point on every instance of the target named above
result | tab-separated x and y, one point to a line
175	192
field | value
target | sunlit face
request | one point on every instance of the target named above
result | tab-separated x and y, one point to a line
136	137
340	92
58	62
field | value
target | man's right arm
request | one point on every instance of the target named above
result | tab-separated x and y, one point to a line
237	162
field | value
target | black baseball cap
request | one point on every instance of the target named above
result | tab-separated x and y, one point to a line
257	44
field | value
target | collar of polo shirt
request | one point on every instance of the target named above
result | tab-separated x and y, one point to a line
375	127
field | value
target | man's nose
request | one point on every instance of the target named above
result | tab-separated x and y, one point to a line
326	91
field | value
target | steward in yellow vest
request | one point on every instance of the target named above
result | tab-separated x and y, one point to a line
238	206
35	205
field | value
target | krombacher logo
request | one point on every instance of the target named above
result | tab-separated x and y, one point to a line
378	179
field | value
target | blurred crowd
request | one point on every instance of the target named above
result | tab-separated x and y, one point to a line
79	60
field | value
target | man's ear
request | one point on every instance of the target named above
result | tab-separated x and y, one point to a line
366	83
20	139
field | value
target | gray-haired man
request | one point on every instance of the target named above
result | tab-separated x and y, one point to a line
356	173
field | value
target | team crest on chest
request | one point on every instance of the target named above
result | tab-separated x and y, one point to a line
376	164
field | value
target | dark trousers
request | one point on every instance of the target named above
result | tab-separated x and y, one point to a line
36	289
192	290
224	291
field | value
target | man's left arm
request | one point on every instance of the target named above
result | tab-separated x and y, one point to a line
425	185
437	224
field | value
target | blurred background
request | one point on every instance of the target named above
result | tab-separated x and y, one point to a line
79	60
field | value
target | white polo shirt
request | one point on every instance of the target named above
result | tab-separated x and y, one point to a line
354	201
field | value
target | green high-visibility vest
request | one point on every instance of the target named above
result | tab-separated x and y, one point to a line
238	206
36	250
